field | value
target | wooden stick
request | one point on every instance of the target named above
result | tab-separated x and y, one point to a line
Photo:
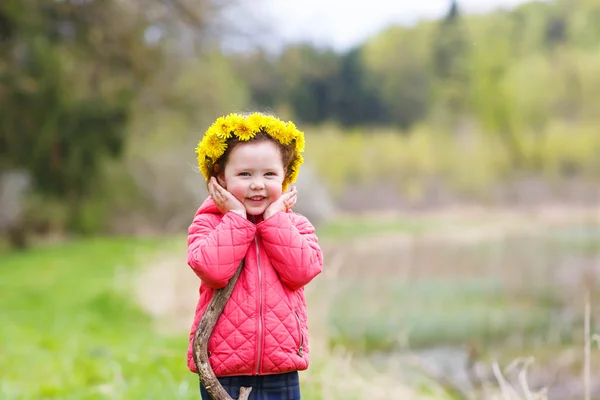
200	344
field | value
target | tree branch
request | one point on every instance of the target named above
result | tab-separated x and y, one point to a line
202	335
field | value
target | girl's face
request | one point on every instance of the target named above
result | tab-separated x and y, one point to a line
254	174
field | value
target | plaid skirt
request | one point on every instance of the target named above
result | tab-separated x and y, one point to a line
264	387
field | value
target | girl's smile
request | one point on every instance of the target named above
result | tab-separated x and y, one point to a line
256	200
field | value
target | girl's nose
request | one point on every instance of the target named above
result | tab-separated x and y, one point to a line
256	184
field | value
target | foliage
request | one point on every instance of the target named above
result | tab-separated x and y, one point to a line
449	62
66	90
411	162
95	94
504	70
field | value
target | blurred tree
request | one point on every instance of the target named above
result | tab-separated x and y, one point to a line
489	94
316	84
584	22
356	101
308	76
66	86
396	67
529	25
258	69
450	58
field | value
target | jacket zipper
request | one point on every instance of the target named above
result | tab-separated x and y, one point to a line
301	346
260	309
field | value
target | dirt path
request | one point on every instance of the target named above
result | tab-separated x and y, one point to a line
168	290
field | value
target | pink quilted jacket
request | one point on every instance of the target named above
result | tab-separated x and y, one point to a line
263	329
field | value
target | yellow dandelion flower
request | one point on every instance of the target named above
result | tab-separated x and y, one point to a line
294	169
233	120
222	127
202	159
204	169
215	131
257	121
213	145
274	128
286	134
300	141
244	130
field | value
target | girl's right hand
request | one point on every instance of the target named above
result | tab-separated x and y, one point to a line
224	200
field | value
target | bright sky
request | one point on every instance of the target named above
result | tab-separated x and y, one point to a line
344	23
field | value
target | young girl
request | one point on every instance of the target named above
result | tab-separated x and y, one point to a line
261	339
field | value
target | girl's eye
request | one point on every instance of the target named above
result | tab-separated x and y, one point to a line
244	174
270	174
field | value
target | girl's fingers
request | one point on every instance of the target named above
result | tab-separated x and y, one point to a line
220	190
291	201
213	184
216	186
216	196
290	205
289	197
217	190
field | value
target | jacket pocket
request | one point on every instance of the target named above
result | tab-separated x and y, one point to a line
300	350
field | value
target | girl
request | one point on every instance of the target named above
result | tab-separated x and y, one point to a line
261	339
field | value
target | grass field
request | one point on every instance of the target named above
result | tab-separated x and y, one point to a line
69	329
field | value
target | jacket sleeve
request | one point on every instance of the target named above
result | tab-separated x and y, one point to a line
291	244
216	248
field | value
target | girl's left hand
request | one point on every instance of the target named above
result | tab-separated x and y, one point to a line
285	202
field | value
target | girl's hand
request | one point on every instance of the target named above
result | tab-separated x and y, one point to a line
224	200
285	202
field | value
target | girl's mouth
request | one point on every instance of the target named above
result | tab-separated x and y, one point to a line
256	199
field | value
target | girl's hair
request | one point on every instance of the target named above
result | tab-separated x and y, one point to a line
286	151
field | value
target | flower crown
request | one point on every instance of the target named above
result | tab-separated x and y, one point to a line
214	143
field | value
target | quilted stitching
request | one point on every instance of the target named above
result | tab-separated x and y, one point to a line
289	258
293	248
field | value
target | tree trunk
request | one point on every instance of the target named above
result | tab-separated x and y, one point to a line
203	332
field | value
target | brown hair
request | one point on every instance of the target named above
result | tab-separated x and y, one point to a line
287	152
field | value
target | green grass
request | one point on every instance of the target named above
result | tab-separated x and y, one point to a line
69	329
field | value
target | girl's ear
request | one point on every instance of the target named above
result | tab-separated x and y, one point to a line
219	175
